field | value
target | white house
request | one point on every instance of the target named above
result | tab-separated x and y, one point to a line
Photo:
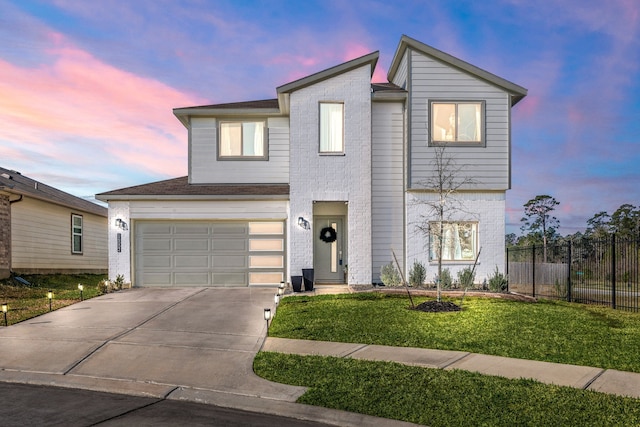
330	173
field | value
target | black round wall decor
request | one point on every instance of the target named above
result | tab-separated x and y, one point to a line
328	234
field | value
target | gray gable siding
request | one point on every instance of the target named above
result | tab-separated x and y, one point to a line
432	80
205	168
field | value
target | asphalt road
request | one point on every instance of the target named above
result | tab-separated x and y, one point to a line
33	405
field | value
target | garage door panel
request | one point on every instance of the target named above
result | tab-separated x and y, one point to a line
209	253
229	245
162	261
197	229
229	228
191	279
229	279
191	244
157	279
229	261
192	261
156	244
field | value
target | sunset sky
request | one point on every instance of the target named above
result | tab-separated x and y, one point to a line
87	88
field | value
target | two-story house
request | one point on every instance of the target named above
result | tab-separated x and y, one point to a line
327	175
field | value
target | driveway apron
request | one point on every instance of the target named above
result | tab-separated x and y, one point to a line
148	342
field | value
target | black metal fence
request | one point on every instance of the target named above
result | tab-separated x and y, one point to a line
587	271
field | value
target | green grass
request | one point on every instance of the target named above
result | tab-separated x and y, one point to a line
442	398
547	330
550	331
26	302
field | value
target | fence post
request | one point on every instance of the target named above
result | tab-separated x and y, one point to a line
569	253
533	270
613	270
507	267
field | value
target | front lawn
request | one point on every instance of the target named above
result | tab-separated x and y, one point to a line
546	330
551	331
25	302
436	398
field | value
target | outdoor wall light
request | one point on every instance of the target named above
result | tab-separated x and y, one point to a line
80	288
303	223
267	316
50	296
120	223
5	308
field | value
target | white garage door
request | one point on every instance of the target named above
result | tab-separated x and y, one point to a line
209	253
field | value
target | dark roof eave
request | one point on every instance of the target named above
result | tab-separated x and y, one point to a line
201	197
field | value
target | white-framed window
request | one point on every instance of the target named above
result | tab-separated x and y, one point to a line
76	234
242	140
459	240
331	127
457	122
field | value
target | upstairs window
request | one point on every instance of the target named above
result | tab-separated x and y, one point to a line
457	122
459	240
331	128
76	234
242	140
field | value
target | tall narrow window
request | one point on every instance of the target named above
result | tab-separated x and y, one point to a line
76	234
242	140
459	122
331	127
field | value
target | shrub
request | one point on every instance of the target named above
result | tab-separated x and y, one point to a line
497	282
447	280
466	277
418	274
389	275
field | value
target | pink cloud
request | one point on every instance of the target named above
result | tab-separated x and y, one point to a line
72	96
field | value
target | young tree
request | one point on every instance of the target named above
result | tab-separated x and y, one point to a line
447	178
537	218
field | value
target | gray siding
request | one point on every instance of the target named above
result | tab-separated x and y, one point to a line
488	165
204	168
387	204
400	78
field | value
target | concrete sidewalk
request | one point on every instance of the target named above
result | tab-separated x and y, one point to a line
582	377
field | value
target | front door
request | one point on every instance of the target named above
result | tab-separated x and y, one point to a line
328	261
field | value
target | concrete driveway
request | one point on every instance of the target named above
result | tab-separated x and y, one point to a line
189	343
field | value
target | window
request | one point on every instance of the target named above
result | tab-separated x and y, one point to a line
76	234
242	140
457	122
459	241
331	127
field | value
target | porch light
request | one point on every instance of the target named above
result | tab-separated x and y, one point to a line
80	288
303	223
5	308
50	296
121	224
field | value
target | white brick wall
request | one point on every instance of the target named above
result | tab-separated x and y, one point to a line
119	262
314	177
485	208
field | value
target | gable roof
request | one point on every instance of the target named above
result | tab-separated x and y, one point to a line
179	188
13	182
285	90
517	92
265	107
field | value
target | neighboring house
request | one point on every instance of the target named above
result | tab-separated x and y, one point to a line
327	175
44	230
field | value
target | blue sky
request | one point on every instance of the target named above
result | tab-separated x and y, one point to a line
87	88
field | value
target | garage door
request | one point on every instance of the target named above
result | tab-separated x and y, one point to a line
209	253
